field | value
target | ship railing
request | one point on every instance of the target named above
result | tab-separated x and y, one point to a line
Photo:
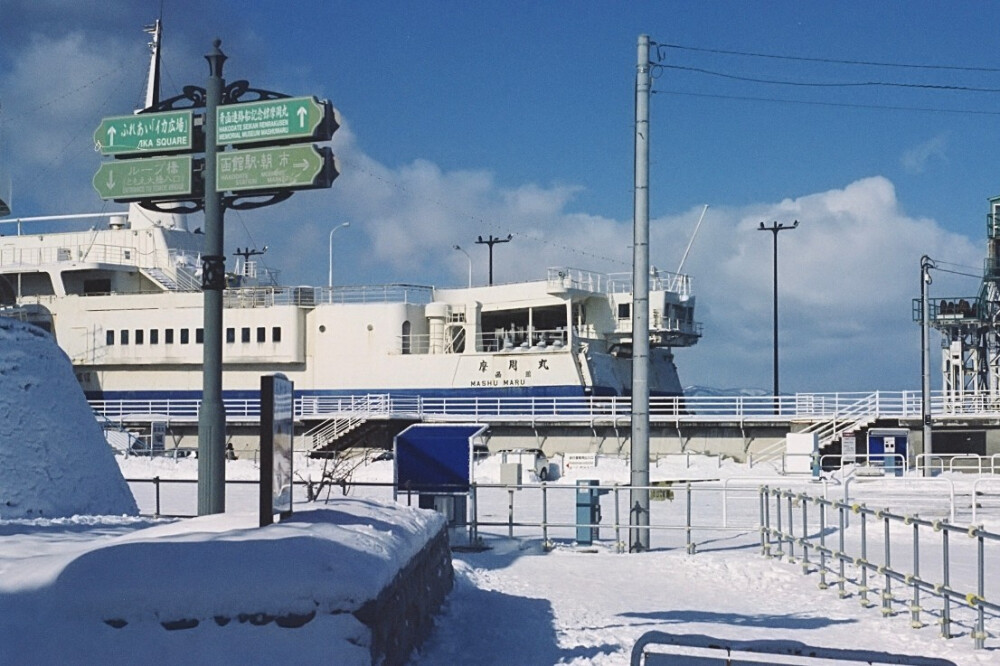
661	324
563	278
185	268
83	252
677	283
305	296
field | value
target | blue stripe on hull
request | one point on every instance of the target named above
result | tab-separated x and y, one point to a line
434	393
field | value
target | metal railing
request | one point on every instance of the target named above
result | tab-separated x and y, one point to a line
546	510
778	541
669	409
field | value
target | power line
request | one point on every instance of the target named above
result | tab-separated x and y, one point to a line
849	84
835	61
877	107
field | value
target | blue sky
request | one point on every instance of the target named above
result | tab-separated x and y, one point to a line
466	119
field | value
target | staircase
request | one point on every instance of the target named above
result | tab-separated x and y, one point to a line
349	419
182	280
856	416
163	279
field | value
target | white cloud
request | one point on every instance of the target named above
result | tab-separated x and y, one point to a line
915	160
848	273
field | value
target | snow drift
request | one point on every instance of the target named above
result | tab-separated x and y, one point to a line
54	460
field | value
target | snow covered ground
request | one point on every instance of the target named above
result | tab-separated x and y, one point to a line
514	603
76	587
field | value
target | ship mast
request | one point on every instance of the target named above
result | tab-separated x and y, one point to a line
138	216
153	79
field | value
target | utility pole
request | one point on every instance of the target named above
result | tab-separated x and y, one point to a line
926	264
774	229
491	242
212	417
639	495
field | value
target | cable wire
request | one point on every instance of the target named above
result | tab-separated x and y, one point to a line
835	61
849	84
847	105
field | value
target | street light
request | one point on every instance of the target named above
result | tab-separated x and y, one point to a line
774	229
459	248
329	275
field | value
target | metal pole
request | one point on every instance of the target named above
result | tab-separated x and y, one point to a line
915	606
469	258
639	500
329	275
864	560
822	546
946	583
491	241
212	415
925	372
774	229
887	592
980	632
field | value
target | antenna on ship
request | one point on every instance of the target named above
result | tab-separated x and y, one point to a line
691	242
5	186
249	268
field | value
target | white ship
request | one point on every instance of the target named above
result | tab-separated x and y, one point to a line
121	295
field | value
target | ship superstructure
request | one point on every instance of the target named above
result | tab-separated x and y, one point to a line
123	300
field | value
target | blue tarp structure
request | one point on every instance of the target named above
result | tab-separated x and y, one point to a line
435	458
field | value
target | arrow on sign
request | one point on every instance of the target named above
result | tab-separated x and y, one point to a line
111	136
303	114
111	180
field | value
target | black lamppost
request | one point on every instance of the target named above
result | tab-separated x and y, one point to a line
774	229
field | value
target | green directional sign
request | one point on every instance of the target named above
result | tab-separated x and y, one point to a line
276	120
296	167
164	132
145	178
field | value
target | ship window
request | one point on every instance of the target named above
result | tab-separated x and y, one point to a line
185	336
110	338
230	335
260	333
97	286
624	310
245	334
276	334
199	336
168	336
123	336
406	337
140	336
154	336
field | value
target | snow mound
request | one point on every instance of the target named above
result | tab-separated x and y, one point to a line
54	460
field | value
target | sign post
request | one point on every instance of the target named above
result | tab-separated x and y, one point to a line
271	157
277	421
283	120
212	415
164	132
284	167
145	178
